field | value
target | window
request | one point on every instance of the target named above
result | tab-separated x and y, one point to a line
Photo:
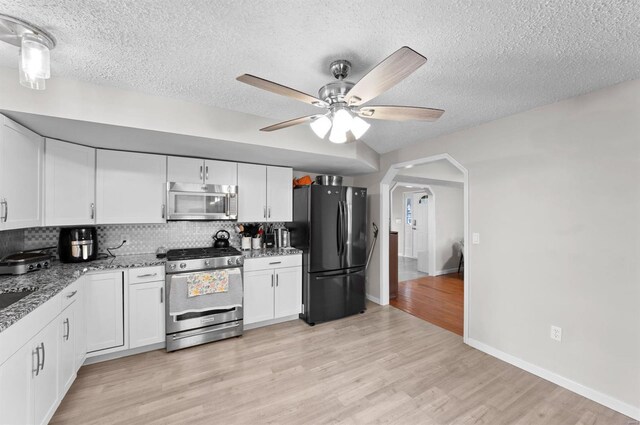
408	211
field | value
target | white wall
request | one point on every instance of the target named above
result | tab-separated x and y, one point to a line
555	195
449	204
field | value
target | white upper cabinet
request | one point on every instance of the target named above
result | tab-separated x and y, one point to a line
21	158
200	171
279	194
130	187
70	184
264	193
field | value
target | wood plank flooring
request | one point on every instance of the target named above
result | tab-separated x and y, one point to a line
384	366
436	299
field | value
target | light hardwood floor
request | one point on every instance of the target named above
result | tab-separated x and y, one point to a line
436	299
384	366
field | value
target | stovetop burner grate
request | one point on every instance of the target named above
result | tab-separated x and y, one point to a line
194	253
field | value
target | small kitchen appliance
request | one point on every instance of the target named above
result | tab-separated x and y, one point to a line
190	201
77	244
221	239
282	237
24	262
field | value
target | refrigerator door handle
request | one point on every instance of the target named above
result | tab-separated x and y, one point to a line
339	229
345	238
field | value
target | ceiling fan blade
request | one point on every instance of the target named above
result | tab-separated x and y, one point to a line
400	113
385	75
276	88
289	123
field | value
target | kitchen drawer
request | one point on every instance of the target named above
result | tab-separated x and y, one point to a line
251	264
71	293
146	274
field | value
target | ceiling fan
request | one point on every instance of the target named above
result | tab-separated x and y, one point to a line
345	100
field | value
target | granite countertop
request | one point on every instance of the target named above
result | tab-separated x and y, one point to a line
270	252
48	283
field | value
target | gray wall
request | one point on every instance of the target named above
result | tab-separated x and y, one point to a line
555	195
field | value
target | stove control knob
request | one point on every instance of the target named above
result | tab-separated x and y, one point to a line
230	261
172	267
46	264
30	266
183	265
239	260
38	266
207	262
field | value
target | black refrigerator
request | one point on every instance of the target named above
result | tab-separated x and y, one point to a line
329	225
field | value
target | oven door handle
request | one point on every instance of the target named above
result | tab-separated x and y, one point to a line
183	335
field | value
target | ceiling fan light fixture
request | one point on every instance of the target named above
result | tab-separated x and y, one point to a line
321	126
28	81
359	127
337	136
34	57
342	120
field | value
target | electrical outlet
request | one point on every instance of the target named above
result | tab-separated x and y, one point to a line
475	238
556	333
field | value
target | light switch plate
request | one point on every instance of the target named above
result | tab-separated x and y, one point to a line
475	238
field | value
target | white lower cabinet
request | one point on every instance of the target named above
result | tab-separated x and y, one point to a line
45	382
16	401
272	292
104	304
146	313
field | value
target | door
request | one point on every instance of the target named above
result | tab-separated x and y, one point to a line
258	296
325	228
67	339
104	310
220	172
131	187
408	225
288	294
334	295
70	190
279	194
185	170
45	386
16	403
252	193
146	314
355	227
21	157
420	214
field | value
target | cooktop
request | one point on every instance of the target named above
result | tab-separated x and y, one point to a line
194	253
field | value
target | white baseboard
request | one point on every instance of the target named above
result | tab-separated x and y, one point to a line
373	299
270	322
447	271
97	358
590	393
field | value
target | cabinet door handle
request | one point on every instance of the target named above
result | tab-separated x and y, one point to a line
201	178
269	214
264	212
163	208
6	209
43	354
66	325
35	353
277	279
93	211
147	275
206	169
70	295
272	281
161	295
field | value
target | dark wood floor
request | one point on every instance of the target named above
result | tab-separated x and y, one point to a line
436	299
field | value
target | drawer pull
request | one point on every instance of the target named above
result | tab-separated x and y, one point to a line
72	294
148	275
275	262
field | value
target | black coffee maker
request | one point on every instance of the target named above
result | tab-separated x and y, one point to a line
77	244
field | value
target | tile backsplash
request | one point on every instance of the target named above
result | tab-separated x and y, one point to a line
141	238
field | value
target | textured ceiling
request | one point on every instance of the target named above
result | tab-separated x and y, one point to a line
487	59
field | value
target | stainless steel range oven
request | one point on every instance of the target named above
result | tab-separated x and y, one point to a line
204	296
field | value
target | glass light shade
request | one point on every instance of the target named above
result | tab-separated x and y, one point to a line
321	126
342	120
30	82
34	57
359	127
337	136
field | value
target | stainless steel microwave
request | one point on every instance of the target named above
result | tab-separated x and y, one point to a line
190	201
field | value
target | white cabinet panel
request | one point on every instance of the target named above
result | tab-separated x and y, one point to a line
146	314
104	311
16	403
288	293
130	187
45	387
67	332
279	194
185	170
258	296
70	184
252	195
220	172
21	159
